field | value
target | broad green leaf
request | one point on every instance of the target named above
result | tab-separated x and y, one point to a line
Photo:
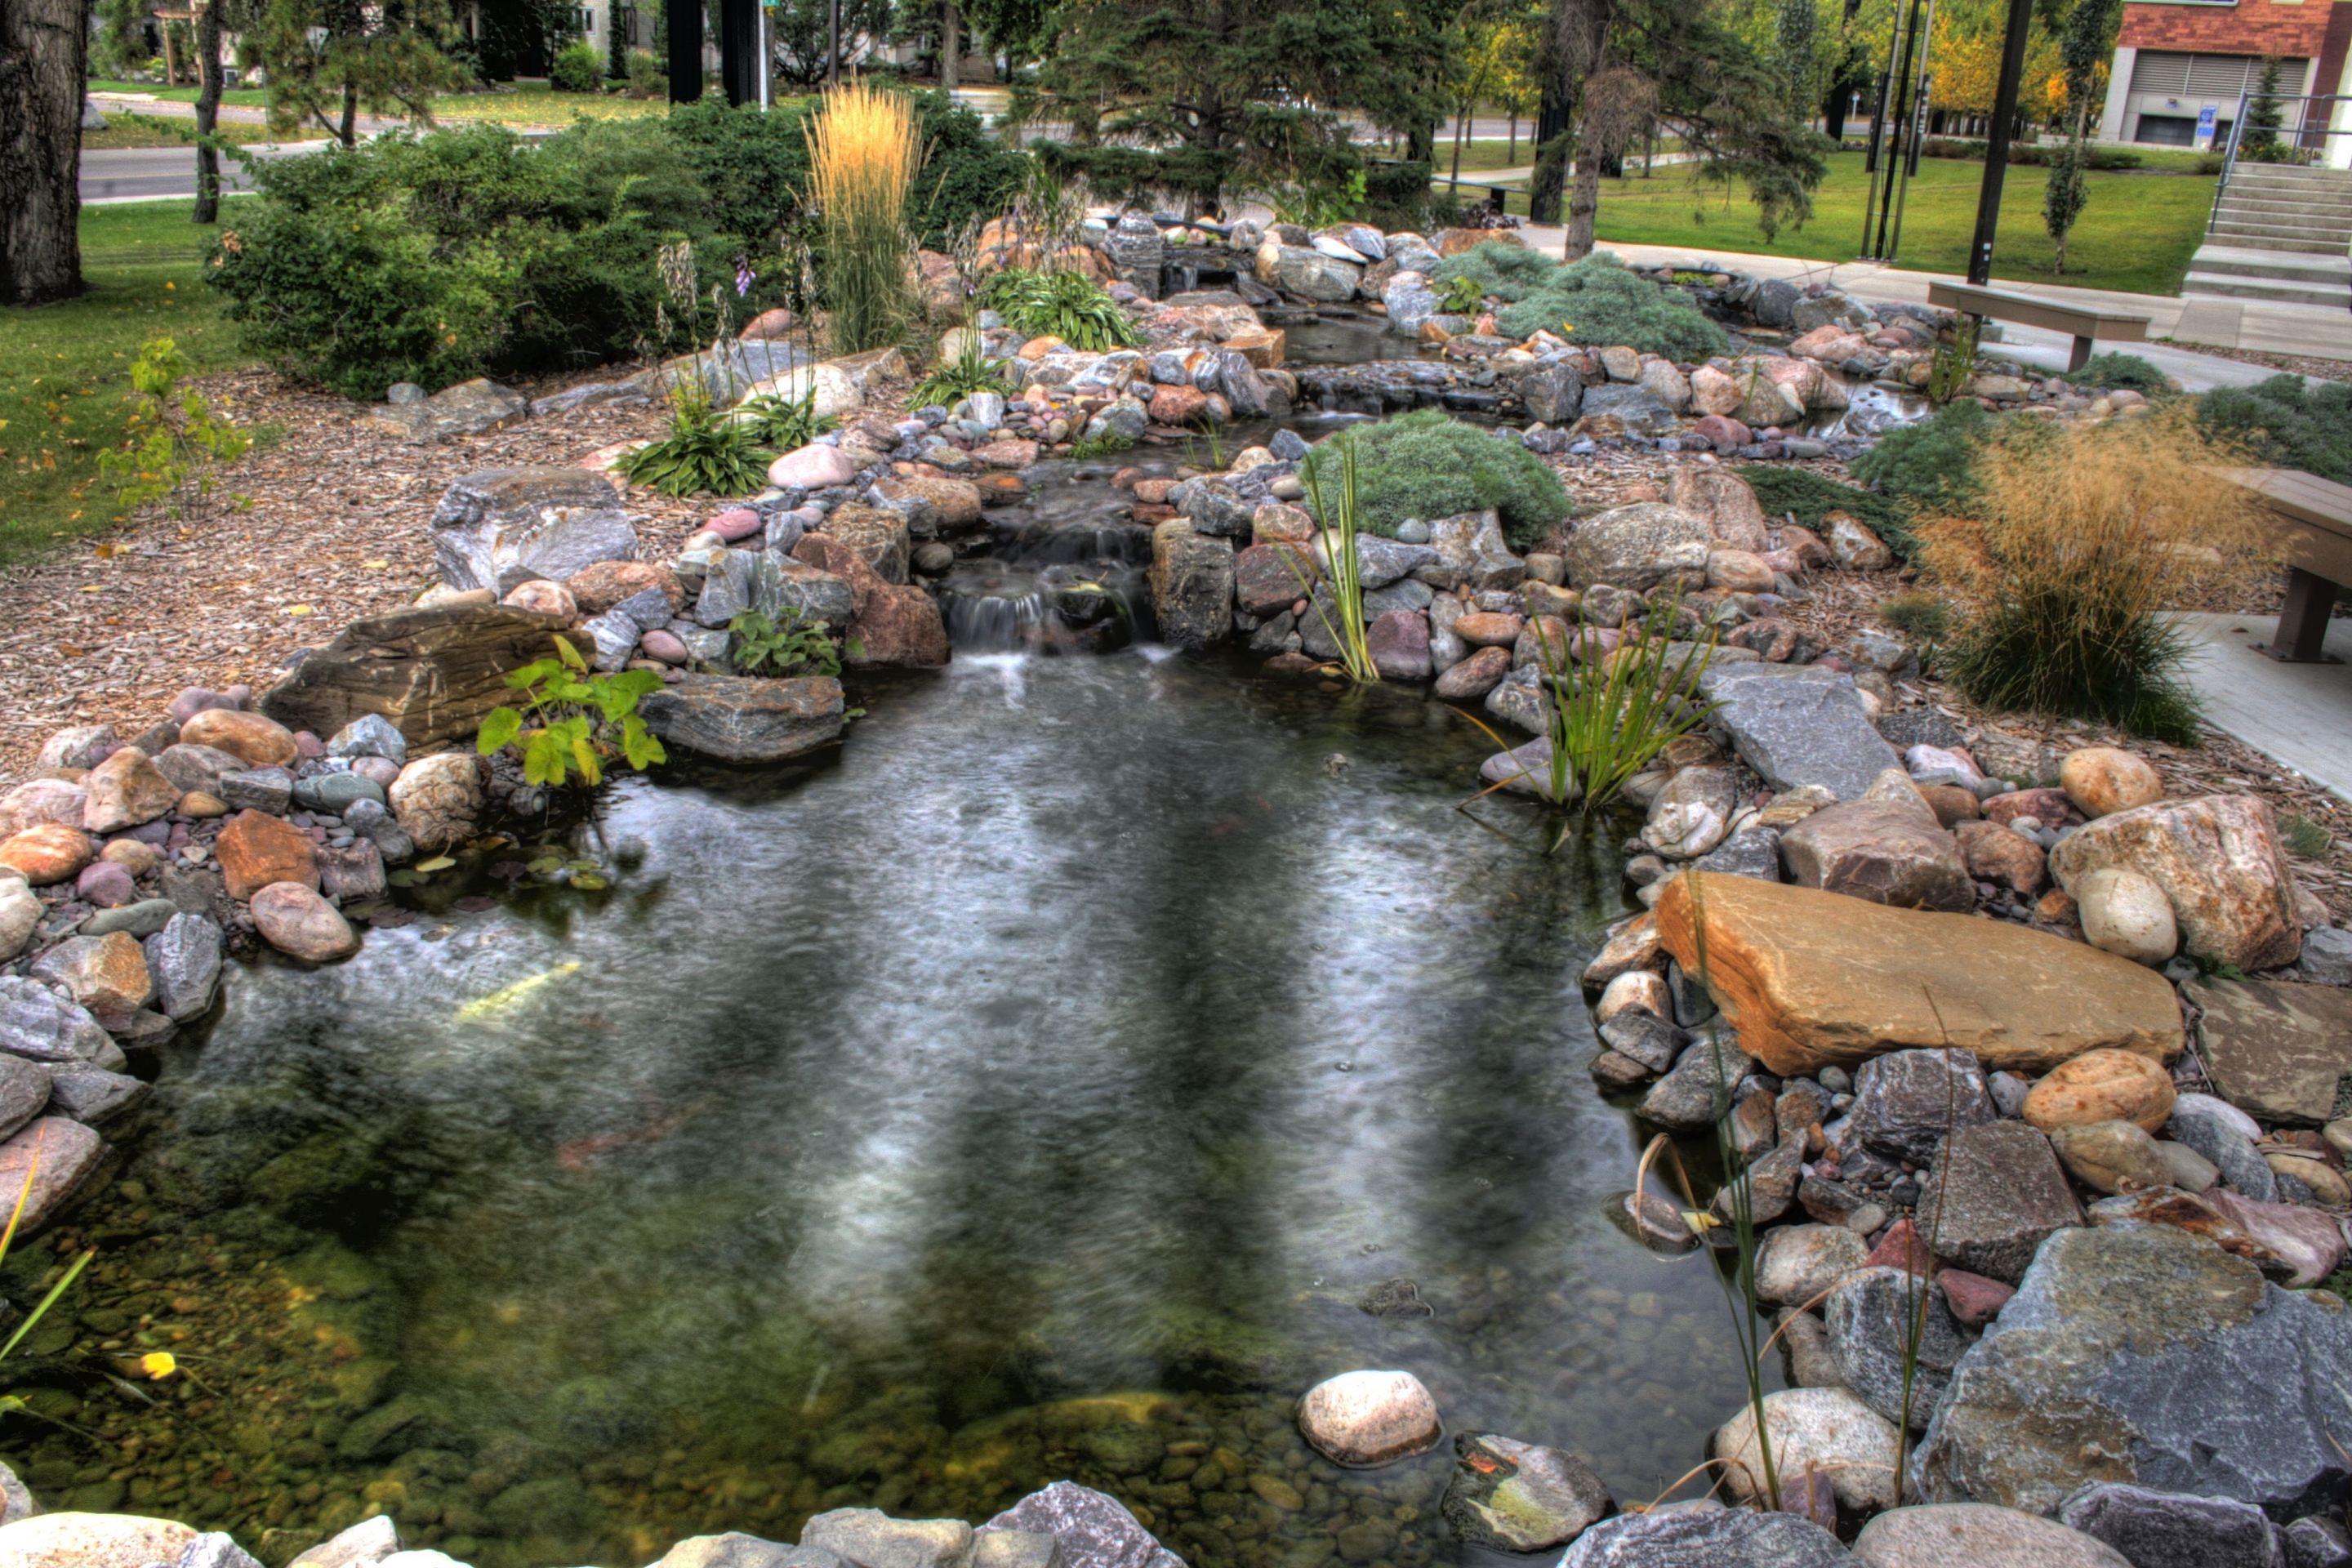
571	655
499	727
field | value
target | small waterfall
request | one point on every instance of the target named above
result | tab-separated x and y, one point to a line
1043	588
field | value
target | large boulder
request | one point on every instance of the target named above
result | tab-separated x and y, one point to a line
498	528
1639	546
1979	1535
869	1538
40	1026
1798	725
1092	1529
1732	513
1307	273
93	1540
1809	978
1472	550
1363	1419
434	672
1191	585
891	625
745	721
2279	1052
2149	1356
2217	857
1993	1193
44	1166
1825	1429
2164	1529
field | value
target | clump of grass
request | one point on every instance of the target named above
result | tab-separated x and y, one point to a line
1918	615
1809	498
1062	304
2286	423
1595	302
1427	465
2128	372
2074	542
952	381
863	156
1336	515
1931	465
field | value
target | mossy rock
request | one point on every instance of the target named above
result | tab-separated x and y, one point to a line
554	1505
1205	1350
1125	1450
389	1428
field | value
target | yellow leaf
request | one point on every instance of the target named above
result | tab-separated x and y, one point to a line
159	1364
375	565
439	863
298	609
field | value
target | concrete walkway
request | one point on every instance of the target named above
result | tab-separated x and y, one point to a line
2299	713
2314	330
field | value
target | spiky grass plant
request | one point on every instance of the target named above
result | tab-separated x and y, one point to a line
952	380
2076	542
863	152
1334	517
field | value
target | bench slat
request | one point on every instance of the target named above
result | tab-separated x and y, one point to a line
2078	320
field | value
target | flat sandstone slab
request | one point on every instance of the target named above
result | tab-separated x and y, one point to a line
2282	1052
1809	978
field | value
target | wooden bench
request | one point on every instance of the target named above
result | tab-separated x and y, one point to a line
2311	519
2085	323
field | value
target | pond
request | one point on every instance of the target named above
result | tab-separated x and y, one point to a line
1094	1055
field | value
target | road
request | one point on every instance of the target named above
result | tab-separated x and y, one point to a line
153	173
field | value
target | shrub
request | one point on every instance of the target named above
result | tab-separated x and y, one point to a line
1595	302
2286	423
646	74
1064	305
966	174
863	154
1396	195
2075	541
577	69
2128	372
1427	466
1811	498
1932	464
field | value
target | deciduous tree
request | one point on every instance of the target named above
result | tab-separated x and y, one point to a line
42	50
327	59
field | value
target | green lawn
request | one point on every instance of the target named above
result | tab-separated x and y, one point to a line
63	368
2136	233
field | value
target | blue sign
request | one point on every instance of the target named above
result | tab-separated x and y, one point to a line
2205	126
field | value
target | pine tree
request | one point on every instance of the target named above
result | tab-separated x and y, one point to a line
2260	140
618	19
327	59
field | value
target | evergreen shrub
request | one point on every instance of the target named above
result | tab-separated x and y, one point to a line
1425	465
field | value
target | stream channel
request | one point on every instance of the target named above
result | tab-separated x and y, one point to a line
1089	1056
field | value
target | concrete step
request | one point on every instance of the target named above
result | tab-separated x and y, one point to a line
2277	266
2277	201
2269	237
2318	225
2229	287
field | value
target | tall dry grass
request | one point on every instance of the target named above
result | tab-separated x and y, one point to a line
864	151
2078	540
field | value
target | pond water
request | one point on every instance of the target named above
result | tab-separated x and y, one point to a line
1093	1055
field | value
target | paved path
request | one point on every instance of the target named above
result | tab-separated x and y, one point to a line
2317	330
2296	712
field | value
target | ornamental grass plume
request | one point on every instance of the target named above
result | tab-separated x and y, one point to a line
2074	542
862	155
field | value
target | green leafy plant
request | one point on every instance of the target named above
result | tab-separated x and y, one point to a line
703	454
757	645
2128	372
645	73
1426	465
1062	304
783	423
952	381
175	441
1319	204
1341	608
1595	302
1462	296
1954	363
574	720
1109	442
578	68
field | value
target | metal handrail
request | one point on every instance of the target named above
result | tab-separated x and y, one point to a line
2305	128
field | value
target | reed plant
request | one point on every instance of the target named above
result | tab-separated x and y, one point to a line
863	152
10	1404
1341	609
2075	543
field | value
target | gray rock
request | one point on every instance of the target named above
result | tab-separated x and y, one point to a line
1095	1530
1706	1538
1521	698
369	735
1473	554
745	721
648	607
1136	249
1287	445
1410	301
1193	586
215	1550
2163	1530
465	409
143	919
2327	956
1694	1093
1216	508
36	1025
1993	1194
1640	408
1751	852
732	587
2147	1355
1015	1549
350	873
1769	1187
1638	546
1381	561
198	767
796	588
184	960
379	826
1906	1101
92	1095
2208	1131
615	635
1773	301
1404	593
16	1500
335	794
363	1544
734	1550
1643	1036
1517	1497
2318	1542
23	1091
270	790
1796	725
870	1539
1977	1535
1870	1317
501	527
1553	392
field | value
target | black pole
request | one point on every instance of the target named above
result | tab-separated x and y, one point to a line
684	51
738	50
2004	112
832	43
1895	127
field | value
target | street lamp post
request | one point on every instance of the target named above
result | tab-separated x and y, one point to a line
2004	111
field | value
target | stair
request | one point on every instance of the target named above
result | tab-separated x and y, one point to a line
2280	232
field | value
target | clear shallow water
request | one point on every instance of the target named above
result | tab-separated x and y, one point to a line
1045	1088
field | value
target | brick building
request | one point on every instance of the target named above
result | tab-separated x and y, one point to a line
2176	58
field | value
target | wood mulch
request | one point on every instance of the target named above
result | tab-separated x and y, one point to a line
111	631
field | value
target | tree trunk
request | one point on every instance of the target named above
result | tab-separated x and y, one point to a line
1583	202
349	130
208	96
44	47
1460	119
1513	159
950	44
1551	138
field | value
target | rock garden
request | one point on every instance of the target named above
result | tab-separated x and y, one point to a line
1976	1029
